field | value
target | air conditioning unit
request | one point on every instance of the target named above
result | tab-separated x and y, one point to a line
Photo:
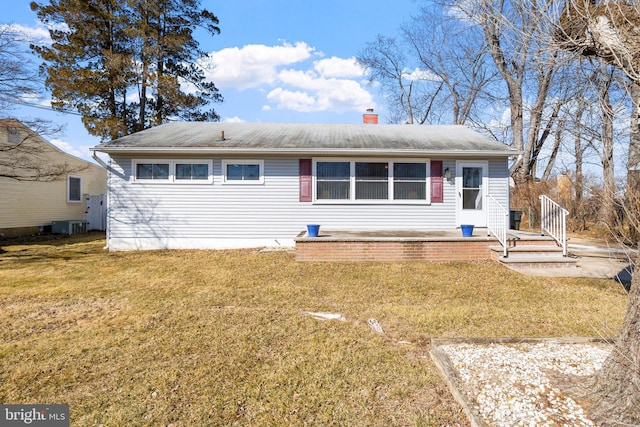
69	227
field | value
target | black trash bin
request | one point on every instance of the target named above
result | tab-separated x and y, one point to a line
514	219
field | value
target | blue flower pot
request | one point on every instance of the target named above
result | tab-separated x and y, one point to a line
467	230
313	229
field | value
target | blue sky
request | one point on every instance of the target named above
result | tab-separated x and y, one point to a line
274	61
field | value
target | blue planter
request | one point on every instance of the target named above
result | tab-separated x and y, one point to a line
312	230
467	230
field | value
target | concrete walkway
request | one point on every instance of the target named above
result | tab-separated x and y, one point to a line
595	258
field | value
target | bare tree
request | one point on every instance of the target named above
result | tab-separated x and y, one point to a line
18	76
611	31
411	92
458	55
26	156
22	154
437	71
520	44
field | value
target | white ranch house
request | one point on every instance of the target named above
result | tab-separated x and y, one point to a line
239	185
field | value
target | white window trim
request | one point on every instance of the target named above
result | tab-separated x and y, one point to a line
69	189
352	183
172	172
226	162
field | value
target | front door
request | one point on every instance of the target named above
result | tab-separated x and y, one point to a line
471	186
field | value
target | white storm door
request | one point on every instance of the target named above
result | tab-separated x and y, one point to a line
471	188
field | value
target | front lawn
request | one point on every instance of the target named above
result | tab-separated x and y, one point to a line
221	337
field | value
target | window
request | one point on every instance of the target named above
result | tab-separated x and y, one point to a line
192	171
372	181
243	171
472	188
152	171
13	135
333	180
409	181
173	171
74	189
365	181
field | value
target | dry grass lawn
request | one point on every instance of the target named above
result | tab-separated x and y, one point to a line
220	337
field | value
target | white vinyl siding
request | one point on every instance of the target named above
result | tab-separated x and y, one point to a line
152	215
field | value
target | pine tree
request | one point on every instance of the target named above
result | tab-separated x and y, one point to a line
127	66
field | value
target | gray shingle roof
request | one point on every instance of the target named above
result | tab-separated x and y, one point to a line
301	138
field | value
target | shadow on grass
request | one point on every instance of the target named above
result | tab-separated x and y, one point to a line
52	239
48	246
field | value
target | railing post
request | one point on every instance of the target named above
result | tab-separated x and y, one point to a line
553	220
498	222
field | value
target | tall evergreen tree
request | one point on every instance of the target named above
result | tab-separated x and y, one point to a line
127	65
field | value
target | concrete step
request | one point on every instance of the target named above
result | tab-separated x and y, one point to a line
531	250
539	261
530	240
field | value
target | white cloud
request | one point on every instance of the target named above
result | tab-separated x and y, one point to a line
289	78
338	68
418	74
78	151
252	65
36	35
234	119
338	95
297	101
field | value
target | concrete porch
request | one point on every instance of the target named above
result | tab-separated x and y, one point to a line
409	245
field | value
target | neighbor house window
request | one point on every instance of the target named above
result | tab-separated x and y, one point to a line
367	181
243	171
173	171
74	189
13	135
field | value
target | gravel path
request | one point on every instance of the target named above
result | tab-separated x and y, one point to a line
506	384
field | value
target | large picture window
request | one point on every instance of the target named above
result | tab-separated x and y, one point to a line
372	181
173	171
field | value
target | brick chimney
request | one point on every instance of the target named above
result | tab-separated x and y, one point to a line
370	118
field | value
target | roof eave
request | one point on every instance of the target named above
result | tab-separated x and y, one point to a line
302	152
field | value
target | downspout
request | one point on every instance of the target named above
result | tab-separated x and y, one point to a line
101	162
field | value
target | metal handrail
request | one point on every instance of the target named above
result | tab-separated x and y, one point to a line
553	221
497	222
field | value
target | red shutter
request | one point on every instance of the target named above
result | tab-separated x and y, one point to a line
437	182
306	193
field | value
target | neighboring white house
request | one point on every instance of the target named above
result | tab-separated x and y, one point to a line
40	184
231	185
